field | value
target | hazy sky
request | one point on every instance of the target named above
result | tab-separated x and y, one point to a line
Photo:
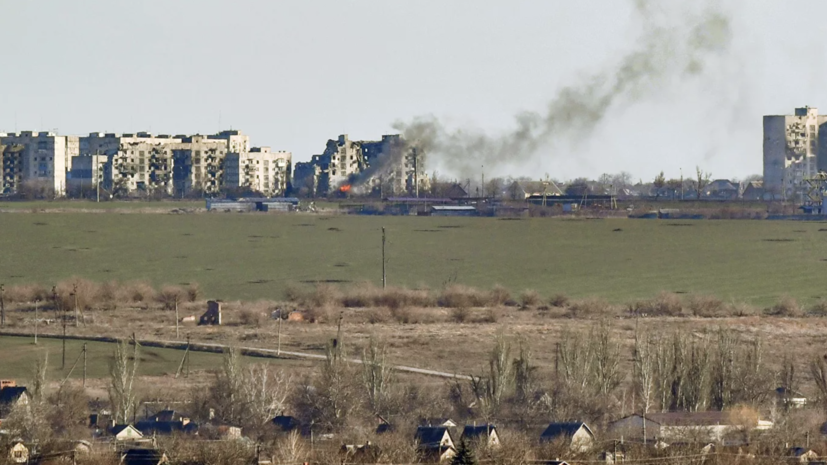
293	74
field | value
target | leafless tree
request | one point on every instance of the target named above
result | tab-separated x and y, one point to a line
39	378
291	449
490	390
524	375
818	369
377	375
606	363
644	372
122	373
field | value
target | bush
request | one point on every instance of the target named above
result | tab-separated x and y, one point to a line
559	300
819	308
324	295
293	292
665	304
457	296
491	315
193	292
530	298
787	307
706	306
460	314
23	293
250	317
403	315
589	308
171	296
140	291
499	296
78	291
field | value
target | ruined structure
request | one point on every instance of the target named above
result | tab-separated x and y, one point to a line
213	314
389	166
179	165
37	157
791	151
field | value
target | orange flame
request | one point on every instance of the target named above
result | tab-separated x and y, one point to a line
345	188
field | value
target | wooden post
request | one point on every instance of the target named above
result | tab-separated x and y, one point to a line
384	276
36	301
2	306
177	336
75	295
278	347
84	364
188	357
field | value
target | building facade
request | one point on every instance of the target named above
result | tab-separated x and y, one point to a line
41	158
389	166
791	151
260	170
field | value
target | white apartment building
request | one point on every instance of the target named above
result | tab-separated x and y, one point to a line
791	149
44	156
260	169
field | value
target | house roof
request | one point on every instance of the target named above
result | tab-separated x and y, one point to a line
555	430
385	428
692	418
538	187
428	436
437	421
476	431
143	457
286	423
10	394
117	429
166	427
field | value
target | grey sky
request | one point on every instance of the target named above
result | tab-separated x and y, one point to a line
292	74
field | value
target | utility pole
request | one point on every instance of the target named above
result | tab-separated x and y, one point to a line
482	186
384	276
63	358
97	179
278	347
36	302
416	172
75	295
188	357
2	306
84	364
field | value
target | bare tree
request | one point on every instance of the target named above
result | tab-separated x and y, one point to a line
170	297
524	375
291	449
39	378
644	372
122	374
606	364
702	179
377	376
818	369
490	390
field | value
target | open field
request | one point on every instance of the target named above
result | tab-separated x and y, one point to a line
34	205
251	256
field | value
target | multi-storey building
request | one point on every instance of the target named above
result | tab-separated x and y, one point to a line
260	170
87	173
791	150
11	161
44	157
387	166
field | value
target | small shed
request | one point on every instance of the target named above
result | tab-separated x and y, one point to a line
454	210
18	453
125	433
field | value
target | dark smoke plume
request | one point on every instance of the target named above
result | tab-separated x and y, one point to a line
664	52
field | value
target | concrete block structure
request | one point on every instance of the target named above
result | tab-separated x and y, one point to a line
40	158
389	166
791	151
260	170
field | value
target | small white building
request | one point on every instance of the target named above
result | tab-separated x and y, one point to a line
18	453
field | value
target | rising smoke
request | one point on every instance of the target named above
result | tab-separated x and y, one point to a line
665	51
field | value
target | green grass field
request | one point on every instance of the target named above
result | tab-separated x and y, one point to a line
250	256
20	355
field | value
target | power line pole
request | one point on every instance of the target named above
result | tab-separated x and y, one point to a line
84	364
36	302
384	276
2	306
281	317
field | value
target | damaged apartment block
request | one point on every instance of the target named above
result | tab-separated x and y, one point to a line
389	166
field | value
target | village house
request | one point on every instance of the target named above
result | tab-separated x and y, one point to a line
576	435
18	453
435	443
484	434
685	426
11	397
521	190
143	457
125	433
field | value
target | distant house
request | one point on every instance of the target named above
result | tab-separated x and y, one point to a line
803	455
123	433
435	443
167	422
754	190
484	434
18	453
286	423
521	190
438	421
577	435
790	398
453	210
721	189
685	426
143	457
455	191
12	396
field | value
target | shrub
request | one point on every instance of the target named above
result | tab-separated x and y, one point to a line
250	317
170	296
394	297
293	292
21	293
706	306
787	306
589	308
491	315
460	314
193	292
665	304
499	296
403	315
140	291
324	295
457	296
559	300
78	291
819	308
530	298
378	315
